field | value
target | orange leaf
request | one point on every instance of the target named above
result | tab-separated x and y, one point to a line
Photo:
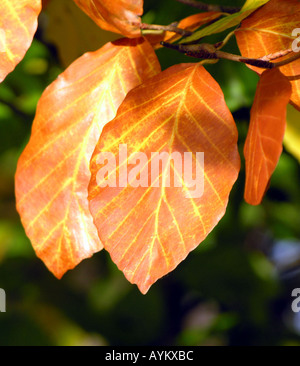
190	23
263	145
53	171
149	230
119	16
269	30
18	23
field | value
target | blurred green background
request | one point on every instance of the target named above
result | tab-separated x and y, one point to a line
234	289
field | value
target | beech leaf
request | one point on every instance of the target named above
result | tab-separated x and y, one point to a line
119	16
263	145
269	30
148	230
18	23
53	171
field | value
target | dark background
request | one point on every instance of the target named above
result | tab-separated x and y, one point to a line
234	289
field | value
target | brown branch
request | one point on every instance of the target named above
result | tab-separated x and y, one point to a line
246	60
207	51
293	78
275	56
165	28
209	7
288	60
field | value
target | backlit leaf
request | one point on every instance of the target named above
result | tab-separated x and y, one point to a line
292	133
149	230
72	32
53	171
18	23
227	22
263	145
269	30
119	16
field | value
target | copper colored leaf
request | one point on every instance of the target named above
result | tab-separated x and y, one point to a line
18	23
119	16
263	145
190	23
53	171
149	230
269	30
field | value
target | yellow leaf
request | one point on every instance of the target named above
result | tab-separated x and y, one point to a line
292	133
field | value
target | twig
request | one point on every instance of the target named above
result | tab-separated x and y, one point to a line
288	60
293	78
274	56
209	7
223	43
208	51
166	28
